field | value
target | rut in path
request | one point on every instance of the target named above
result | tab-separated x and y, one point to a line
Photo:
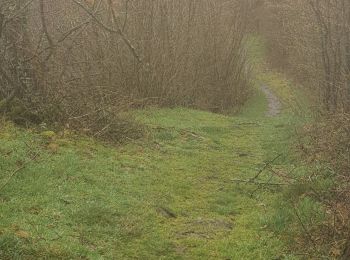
274	103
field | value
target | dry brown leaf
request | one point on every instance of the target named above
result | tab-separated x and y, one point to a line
22	234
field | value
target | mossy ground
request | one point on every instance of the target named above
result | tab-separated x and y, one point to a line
170	195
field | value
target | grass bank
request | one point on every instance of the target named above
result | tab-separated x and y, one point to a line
170	195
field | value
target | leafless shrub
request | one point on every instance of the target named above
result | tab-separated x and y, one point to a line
311	39
66	59
326	144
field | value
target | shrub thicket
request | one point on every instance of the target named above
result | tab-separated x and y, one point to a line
76	62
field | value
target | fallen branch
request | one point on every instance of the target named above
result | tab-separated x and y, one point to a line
265	167
260	183
12	175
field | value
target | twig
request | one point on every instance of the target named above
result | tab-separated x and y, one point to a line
260	183
24	165
117	31
12	175
304	227
265	167
102	130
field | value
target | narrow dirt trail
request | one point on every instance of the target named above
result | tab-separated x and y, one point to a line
274	104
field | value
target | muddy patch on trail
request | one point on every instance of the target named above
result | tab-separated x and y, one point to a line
275	106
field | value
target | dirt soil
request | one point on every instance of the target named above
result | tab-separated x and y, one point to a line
275	105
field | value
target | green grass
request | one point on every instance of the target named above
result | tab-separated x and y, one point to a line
167	196
170	195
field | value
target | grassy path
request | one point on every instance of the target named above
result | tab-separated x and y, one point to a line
170	195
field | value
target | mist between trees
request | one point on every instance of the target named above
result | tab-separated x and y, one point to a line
77	62
62	60
311	40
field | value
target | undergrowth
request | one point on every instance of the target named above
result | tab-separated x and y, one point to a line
172	193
